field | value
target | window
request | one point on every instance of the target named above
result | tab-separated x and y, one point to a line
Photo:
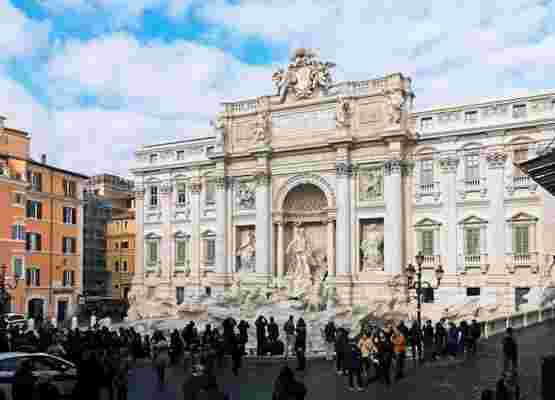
32	276
34	209
180	252
208	291
470	117
210	254
210	193
180	155
427	242
154	196
150	292
153	158
125	226
179	294
124	245
519	111
521	239
35	179
69	278
69	245
17	264
116	266
33	241
70	188
116	245
472	241
427	172
152	252
426	123
18	199
520	155
472	168
124	266
18	232
70	216
181	193
472	291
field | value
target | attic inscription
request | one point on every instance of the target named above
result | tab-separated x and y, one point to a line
319	119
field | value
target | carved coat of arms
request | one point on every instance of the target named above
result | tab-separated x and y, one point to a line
303	76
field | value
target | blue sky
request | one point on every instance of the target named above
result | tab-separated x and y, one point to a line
107	76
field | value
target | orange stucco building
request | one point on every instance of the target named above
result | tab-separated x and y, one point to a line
120	253
41	234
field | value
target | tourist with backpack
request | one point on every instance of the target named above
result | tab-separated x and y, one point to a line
329	336
353	359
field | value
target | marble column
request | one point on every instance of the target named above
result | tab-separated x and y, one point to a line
166	255
196	188
343	231
138	277
331	247
393	224
449	168
497	230
280	250
263	226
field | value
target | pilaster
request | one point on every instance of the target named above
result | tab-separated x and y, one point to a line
280	250
449	168
497	231
196	188
138	277
221	277
393	224
263	224
166	256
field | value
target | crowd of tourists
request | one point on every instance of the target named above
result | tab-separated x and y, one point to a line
373	354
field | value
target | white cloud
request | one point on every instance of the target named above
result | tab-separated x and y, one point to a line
19	35
428	40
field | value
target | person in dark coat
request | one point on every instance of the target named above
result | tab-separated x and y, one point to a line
300	344
237	352
23	386
440	340
353	359
341	342
415	340
475	333
260	324
273	331
428	341
287	387
243	328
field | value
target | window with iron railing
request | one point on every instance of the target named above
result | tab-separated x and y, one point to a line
472	170
521	239
519	156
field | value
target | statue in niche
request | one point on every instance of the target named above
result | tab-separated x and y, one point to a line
219	128
300	247
260	128
395	103
343	113
245	196
372	247
246	253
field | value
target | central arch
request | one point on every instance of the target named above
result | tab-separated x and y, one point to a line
299	181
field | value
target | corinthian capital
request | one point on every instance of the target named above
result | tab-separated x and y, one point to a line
392	166
343	168
496	159
221	182
449	164
139	193
196	187
166	188
262	179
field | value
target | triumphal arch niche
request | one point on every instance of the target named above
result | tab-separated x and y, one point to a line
307	173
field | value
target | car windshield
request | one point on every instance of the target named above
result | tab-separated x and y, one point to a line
14	317
10	364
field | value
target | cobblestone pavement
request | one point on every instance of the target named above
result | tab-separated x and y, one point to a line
456	380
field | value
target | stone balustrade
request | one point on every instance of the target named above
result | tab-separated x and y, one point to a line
498	325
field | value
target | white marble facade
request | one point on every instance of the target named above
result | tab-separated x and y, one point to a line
370	181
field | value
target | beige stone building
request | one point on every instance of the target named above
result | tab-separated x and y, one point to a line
347	179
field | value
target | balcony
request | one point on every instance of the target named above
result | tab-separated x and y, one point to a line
473	185
521	182
475	261
431	189
523	260
431	261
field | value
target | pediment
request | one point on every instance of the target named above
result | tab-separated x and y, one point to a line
427	222
152	235
522	217
182	235
473	220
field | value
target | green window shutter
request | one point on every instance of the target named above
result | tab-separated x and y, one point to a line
472	242
428	243
521	239
181	252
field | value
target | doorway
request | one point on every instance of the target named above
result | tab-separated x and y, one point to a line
62	310
35	308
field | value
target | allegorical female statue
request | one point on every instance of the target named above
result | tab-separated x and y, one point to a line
247	252
301	249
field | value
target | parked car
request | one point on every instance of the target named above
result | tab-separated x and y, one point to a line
54	373
15	320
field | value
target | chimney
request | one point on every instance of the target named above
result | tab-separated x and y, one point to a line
43	158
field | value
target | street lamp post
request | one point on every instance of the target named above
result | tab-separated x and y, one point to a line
412	284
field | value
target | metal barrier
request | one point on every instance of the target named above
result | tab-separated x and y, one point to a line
498	325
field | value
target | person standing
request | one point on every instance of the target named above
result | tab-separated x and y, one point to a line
353	361
289	329
440	340
399	349
300	344
260	324
365	346
416	341
161	360
329	336
475	333
510	351
243	328
428	340
237	352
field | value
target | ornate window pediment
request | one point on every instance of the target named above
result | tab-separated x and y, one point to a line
152	236
522	217
427	223
473	220
182	235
